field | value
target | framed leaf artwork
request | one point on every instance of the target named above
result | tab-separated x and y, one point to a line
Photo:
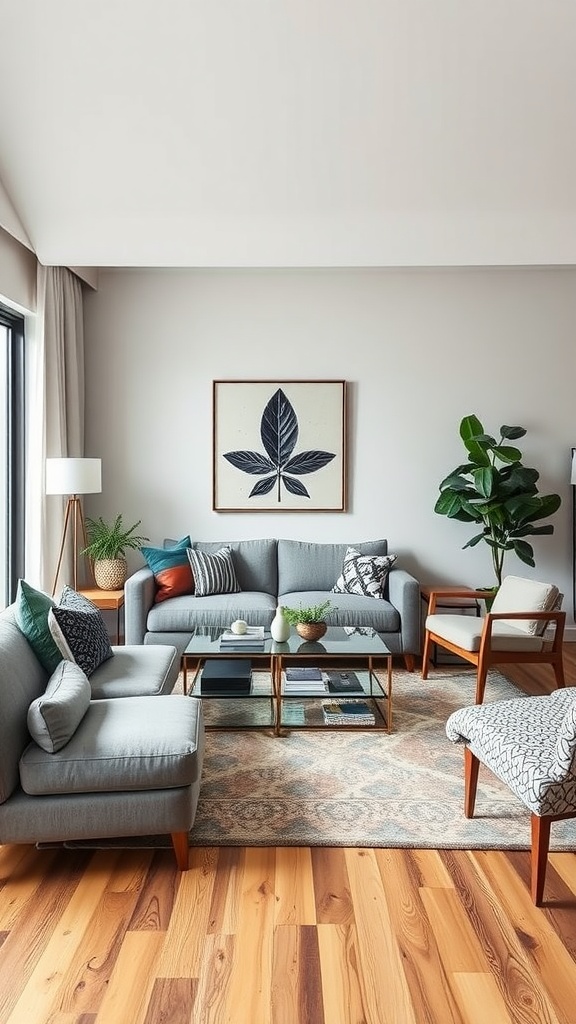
279	446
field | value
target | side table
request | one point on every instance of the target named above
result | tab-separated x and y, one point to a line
465	605
106	600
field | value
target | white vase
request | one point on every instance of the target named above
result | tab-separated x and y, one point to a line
280	628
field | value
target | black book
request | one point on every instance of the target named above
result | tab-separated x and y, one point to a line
226	675
344	682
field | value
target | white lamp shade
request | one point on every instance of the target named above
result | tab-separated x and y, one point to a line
73	476
573	471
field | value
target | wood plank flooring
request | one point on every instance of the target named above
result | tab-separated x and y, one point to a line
288	935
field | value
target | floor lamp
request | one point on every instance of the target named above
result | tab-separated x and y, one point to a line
73	477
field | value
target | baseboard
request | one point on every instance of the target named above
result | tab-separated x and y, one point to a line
570	634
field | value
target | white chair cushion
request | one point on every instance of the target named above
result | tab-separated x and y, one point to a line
466	631
520	595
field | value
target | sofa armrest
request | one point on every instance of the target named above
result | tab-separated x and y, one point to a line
139	591
404	595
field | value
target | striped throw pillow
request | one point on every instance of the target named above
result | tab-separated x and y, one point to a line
213	574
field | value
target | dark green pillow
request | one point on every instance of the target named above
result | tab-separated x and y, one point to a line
31	609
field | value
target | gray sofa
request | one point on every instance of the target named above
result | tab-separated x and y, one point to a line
131	767
271	572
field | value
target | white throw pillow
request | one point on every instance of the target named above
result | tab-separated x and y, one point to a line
364	574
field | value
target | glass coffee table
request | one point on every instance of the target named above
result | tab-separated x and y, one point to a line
342	649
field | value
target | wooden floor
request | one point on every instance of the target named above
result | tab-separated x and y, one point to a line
287	935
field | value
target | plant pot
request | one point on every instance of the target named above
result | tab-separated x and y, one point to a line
110	573
490	595
311	630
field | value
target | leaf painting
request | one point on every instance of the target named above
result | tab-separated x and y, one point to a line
279	467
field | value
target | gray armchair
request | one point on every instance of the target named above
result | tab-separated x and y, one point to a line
529	743
130	766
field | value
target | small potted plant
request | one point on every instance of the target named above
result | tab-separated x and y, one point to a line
310	622
106	549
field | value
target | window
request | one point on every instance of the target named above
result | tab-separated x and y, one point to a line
11	453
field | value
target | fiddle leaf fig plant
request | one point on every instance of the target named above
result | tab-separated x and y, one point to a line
494	490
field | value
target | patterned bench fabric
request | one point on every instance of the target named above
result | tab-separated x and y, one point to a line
529	743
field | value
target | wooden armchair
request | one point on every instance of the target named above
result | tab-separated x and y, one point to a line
514	631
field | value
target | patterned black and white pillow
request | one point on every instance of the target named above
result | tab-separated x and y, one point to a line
363	574
213	573
79	631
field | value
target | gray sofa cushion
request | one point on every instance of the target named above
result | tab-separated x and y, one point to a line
303	565
54	716
136	672
348	609
162	749
254	562
183	614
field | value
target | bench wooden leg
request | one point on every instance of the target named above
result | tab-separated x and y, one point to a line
471	766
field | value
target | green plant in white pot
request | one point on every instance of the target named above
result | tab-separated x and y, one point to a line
494	490
107	546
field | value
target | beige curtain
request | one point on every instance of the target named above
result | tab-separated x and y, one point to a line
56	412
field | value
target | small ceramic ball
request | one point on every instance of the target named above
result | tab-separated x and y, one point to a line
239	626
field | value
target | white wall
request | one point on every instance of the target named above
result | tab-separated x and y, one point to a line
419	348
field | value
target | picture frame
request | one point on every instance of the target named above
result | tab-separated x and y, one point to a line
279	446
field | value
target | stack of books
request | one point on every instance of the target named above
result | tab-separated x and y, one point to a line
298	679
348	712
252	640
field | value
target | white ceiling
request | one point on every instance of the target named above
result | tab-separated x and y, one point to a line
290	132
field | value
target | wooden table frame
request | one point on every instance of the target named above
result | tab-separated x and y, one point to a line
106	600
274	663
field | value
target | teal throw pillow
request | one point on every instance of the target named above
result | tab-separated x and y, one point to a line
171	569
31	609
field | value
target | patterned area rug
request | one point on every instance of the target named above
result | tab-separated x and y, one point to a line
363	789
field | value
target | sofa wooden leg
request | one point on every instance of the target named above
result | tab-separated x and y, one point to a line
181	849
409	662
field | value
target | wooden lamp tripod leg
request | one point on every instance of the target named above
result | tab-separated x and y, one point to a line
69	505
74	517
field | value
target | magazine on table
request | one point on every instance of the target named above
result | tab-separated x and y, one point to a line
348	712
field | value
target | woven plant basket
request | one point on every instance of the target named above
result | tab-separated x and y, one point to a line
110	573
311	630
